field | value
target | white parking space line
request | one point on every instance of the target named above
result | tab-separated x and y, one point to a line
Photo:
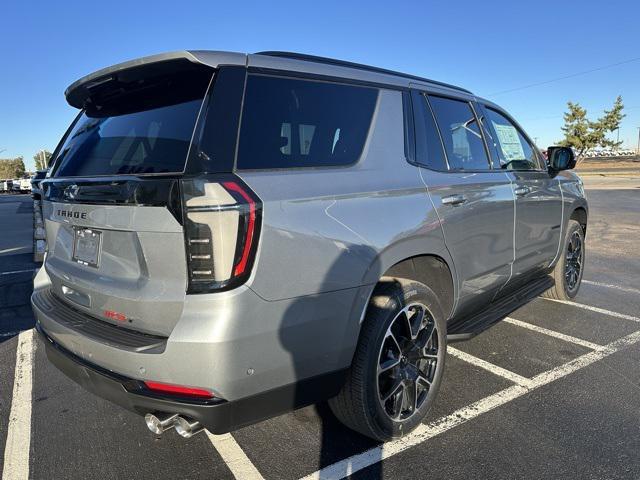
9	334
553	333
355	463
234	457
490	367
585	360
596	309
12	250
30	270
615	287
16	451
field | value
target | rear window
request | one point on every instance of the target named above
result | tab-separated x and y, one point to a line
144	131
289	123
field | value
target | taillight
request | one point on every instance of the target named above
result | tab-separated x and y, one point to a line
222	224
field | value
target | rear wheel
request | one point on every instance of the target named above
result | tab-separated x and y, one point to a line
398	364
568	271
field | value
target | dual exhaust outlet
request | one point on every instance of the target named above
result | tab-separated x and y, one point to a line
161	422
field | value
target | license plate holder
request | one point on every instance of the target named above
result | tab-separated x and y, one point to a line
86	246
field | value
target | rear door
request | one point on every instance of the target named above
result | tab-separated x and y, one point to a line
538	197
475	203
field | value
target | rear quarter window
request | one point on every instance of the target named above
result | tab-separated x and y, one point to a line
291	123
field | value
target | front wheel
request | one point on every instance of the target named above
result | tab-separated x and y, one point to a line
568	271
398	364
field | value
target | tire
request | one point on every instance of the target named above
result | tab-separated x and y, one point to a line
395	305
567	284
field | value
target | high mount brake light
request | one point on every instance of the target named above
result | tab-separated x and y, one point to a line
222	222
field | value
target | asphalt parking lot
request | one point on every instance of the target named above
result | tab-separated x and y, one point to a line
552	391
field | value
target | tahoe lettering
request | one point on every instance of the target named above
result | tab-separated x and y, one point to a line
71	214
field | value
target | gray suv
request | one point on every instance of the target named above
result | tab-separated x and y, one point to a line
233	236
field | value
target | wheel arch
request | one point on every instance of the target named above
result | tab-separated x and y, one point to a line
431	270
407	259
580	215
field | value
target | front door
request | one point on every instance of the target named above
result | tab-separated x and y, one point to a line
474	202
538	198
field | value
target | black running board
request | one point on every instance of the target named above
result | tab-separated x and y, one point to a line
470	326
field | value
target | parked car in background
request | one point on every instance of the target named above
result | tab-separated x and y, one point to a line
25	185
608	153
6	186
21	185
235	236
36	188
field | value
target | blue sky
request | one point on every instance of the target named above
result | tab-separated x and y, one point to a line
487	47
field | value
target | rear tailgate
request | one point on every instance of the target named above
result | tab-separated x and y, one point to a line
122	263
112	205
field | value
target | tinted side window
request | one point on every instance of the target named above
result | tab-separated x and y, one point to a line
299	123
515	152
460	134
429	151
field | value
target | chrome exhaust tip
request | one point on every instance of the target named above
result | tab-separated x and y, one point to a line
187	428
160	422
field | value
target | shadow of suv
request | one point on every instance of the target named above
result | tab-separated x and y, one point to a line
235	236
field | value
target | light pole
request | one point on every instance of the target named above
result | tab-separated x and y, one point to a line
638	140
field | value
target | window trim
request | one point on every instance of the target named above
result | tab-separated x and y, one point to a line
318	77
306	78
521	131
488	133
416	95
192	166
409	128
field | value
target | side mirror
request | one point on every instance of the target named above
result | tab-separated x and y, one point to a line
561	158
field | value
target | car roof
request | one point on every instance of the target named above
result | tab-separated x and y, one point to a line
79	90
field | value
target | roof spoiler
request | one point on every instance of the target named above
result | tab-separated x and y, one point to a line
80	91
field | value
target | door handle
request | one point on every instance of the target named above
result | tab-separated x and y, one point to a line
454	200
521	191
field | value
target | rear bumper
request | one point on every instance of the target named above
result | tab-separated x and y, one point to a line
218	340
129	393
217	415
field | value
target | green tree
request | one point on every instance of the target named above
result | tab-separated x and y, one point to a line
609	123
583	134
11	168
42	159
19	166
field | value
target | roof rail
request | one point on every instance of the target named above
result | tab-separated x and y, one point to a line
359	66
